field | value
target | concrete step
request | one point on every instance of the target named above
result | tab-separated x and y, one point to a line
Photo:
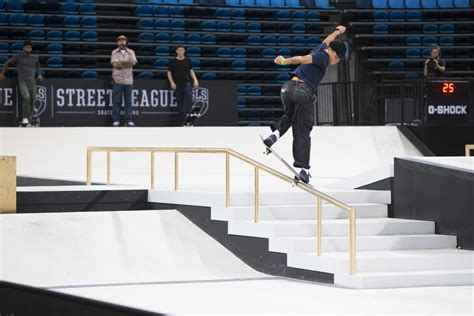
297	212
364	243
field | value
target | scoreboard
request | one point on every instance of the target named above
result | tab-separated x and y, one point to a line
448	103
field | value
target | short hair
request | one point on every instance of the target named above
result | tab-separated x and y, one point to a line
27	43
178	47
434	46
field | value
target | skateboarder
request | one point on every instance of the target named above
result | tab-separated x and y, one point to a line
27	65
298	96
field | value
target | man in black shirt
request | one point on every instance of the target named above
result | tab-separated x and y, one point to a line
434	66
180	74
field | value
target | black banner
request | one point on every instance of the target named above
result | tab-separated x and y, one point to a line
72	102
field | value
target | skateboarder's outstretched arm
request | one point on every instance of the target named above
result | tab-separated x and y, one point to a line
308	59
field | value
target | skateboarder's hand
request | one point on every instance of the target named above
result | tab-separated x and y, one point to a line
341	29
279	60
196	84
39	78
2	76
173	86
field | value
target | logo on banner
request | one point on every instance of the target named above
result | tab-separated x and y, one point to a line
200	100
40	104
447	109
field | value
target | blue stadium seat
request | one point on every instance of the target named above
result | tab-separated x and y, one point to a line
313	16
425	53
430	40
282	78
37	35
412	4
247	3
70	8
445	4
159	10
193	39
269	40
462	3
380	4
380	16
87	8
380	29
143	10
254	27
208	26
89	36
162	24
313	41
277	3
208	76
254	40
196	64
16	47
254	90
283	15
396	64
89	22
429	4
162	50
283	52
161	63
54	35
36	20
411	76
284	41
298	16
430	28
17	19
223	26
162	38
145	75
322	4
224	52
239	52
4	47
145	24
298	28
14	6
298	41
263	3
413	16
293	4
222	13
72	36
146	37
238	27
396	4
72	21
176	12
3	60
3	18
412	53
55	62
446	41
397	16
446	28
55	48
237	14
269	53
239	65
177	25
241	103
89	75
178	38
187	2
208	39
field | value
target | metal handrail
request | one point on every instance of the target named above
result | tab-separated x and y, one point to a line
468	150
257	167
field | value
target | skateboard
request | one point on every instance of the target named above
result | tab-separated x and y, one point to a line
296	178
192	116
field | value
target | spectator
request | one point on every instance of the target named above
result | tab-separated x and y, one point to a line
434	66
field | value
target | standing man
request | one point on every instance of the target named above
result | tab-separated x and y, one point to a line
27	65
434	66
180	74
298	97
123	59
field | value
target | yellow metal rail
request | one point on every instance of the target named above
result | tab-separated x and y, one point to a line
468	150
257	168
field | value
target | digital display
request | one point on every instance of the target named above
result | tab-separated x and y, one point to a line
448	88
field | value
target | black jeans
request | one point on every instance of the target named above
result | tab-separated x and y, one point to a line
298	100
184	100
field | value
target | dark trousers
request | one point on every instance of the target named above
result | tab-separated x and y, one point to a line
120	90
184	100
298	100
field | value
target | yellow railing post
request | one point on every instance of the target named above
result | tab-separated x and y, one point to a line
8	184
89	167
227	180
352	240
468	150
320	226
256	189
108	167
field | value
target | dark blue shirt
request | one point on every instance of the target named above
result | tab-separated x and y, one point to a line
313	73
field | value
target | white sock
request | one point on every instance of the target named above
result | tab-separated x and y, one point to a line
277	134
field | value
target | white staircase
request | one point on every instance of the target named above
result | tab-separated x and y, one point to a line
390	252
